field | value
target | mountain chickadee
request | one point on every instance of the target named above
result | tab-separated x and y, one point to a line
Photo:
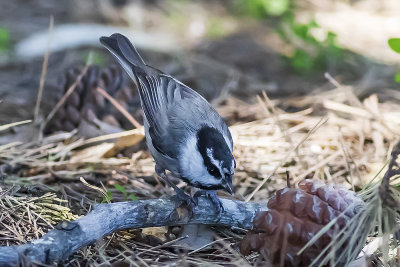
184	133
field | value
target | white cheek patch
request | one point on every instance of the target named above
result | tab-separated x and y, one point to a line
192	164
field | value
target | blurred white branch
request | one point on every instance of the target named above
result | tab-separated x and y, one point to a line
70	36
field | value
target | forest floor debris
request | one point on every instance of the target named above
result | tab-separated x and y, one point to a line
330	136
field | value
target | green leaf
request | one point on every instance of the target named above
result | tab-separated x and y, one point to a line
215	28
262	8
93	58
121	189
4	39
302	62
275	7
394	44
133	197
108	198
397	77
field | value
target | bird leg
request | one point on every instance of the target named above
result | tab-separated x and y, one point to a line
181	198
212	195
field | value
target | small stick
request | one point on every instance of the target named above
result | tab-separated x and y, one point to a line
120	108
350	94
288	179
44	71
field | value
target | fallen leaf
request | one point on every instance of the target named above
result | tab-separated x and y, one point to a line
91	154
125	141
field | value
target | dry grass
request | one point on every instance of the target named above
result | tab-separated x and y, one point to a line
330	139
332	136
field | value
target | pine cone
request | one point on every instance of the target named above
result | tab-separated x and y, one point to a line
88	104
295	216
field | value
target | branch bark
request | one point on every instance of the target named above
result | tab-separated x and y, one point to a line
68	237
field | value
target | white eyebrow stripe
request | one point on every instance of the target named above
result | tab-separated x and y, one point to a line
213	161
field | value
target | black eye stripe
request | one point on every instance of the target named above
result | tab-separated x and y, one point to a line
213	170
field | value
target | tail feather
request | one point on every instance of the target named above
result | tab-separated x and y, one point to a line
120	46
145	77
127	55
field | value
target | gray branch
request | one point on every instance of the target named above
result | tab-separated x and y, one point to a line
68	237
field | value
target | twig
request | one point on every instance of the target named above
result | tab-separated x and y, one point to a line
207	245
351	97
44	72
120	108
288	179
102	191
105	219
9	125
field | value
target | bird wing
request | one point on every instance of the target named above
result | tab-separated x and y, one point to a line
169	108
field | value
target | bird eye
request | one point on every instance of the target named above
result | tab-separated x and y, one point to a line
213	171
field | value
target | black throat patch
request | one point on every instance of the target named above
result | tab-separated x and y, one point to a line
209	138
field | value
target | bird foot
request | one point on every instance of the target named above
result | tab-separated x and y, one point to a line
182	200
212	195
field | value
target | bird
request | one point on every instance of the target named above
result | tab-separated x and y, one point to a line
184	133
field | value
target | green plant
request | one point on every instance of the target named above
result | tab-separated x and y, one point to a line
107	198
93	58
394	44
314	47
4	40
215	28
262	8
122	189
312	51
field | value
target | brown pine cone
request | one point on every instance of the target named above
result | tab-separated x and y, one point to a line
88	104
295	216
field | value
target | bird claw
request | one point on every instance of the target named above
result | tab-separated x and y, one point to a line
183	200
212	195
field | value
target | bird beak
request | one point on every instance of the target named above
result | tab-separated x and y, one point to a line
228	187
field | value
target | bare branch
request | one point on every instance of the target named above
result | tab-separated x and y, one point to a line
105	219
